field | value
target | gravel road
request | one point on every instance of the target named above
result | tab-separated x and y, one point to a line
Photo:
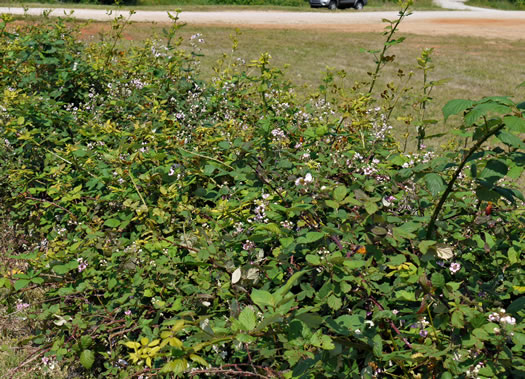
464	20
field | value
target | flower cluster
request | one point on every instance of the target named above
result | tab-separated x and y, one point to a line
502	318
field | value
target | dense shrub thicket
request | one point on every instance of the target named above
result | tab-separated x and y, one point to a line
171	226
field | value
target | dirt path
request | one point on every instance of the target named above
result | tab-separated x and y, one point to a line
469	21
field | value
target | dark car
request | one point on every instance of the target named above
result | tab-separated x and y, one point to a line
334	4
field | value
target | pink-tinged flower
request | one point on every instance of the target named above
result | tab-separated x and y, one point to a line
45	360
248	245
82	265
287	225
494	317
423	333
455	267
127	313
21	306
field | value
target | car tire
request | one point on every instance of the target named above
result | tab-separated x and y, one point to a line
359	5
333	5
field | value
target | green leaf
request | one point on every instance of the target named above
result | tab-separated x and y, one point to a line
340	193
405	295
457	319
87	358
271	227
438	280
262	298
225	145
434	183
313	259
425	245
86	341
313	236
510	140
517	305
208	170
371	207
248	319
332	204
457	106
484	109
21	283
334	302
354	264
514	124
485	194
400	234
112	223
281	292
61	269
494	170
377	345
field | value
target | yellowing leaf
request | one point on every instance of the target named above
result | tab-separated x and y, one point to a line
132	344
179	325
178	366
520	289
154	343
134	357
154	351
175	342
199	360
144	341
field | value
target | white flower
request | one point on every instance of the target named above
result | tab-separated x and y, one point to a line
494	317
508	320
357	332
308	178
304	181
369	323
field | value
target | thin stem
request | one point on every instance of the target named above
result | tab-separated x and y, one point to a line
392	325
206	157
137	189
380	61
452	181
